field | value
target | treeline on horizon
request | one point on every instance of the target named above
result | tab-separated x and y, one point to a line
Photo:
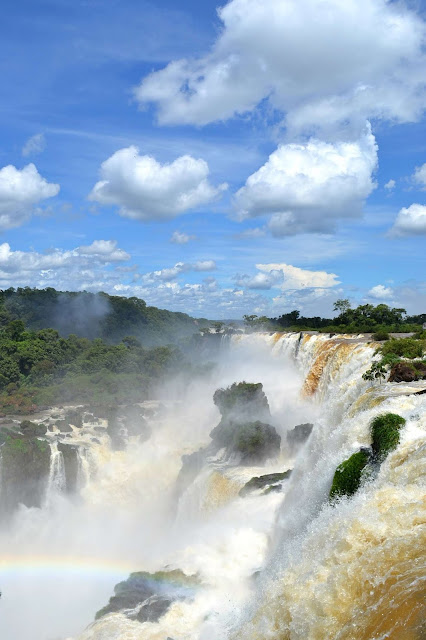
95	315
365	318
66	347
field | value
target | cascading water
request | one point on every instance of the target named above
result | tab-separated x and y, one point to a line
283	565
56	483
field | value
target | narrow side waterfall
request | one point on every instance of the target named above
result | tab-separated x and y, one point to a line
56	483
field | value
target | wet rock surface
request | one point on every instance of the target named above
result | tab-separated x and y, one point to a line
408	372
299	435
270	482
147	596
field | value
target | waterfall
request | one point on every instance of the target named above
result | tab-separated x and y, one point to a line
285	565
83	471
56	483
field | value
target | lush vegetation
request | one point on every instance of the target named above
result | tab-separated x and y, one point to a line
43	368
385	433
348	475
90	315
394	355
366	318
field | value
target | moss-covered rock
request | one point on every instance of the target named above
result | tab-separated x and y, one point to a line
385	433
24	471
242	429
32	429
242	401
256	441
348	475
268	481
155	590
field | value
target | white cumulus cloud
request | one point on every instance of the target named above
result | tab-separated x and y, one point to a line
104	250
20	191
410	221
307	187
58	267
380	292
144	189
287	278
320	62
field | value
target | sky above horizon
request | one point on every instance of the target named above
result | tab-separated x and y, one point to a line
258	156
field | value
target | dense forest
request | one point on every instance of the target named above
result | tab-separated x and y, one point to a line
40	368
66	347
95	315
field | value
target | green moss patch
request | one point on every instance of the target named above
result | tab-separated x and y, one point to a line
385	432
348	475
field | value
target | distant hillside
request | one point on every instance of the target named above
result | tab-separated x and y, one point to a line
95	315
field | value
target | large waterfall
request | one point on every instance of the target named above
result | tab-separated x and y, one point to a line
279	565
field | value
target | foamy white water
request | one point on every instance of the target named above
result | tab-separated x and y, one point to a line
284	565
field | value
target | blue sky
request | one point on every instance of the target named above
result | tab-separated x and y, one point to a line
256	158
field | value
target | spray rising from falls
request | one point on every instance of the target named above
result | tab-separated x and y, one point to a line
244	549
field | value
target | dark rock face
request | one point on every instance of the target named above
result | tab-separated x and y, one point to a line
32	429
153	609
154	592
402	372
299	435
244	408
25	470
191	466
70	455
75	417
269	481
126	421
408	372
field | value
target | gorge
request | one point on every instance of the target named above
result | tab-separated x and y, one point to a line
237	547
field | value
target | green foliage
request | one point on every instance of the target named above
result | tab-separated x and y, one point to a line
41	368
31	429
404	348
348	475
391	353
90	315
342	305
380	335
377	371
256	440
385	432
363	319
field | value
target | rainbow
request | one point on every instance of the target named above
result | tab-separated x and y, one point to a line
10	564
